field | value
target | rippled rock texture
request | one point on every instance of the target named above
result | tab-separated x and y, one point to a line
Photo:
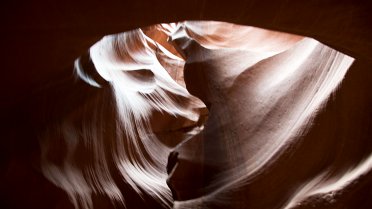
197	114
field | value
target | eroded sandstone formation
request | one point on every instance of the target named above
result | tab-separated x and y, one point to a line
288	124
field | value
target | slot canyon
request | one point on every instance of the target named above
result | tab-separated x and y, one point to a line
239	104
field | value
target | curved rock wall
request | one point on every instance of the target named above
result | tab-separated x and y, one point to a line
42	41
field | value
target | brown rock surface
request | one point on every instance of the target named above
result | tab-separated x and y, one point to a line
40	42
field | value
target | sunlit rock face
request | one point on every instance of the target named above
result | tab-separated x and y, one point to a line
125	133
263	98
219	116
